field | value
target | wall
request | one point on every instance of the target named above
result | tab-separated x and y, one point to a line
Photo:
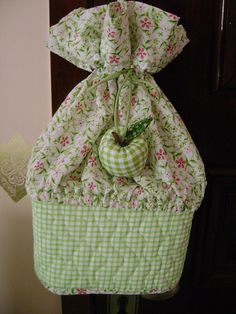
25	108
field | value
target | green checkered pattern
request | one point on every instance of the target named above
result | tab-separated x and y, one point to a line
125	161
106	250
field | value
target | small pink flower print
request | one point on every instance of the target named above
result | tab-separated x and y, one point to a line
117	7
120	180
134	203
176	179
39	165
91	185
139	190
174	17
170	49
89	200
180	162
106	95
154	291
114	59
160	154
65	140
145	23
103	16
84	151
134	101
92	161
73	178
141	52
78	106
111	33
82	291
67	100
154	93
76	35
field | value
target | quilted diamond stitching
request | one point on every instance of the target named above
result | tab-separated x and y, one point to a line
129	252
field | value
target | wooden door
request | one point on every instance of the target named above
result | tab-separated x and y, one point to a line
201	84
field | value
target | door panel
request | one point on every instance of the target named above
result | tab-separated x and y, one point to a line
201	85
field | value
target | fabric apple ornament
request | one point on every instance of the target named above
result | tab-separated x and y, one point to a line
126	157
124	151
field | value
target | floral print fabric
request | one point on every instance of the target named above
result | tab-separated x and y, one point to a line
64	166
115	36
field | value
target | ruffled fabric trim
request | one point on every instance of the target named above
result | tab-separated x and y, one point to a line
162	198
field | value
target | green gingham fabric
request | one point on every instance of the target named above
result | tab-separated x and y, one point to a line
102	250
125	161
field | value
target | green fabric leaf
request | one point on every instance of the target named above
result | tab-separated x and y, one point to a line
136	129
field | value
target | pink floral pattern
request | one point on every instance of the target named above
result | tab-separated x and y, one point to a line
78	106
134	101
92	161
114	59
176	179
111	33
65	159
73	178
180	162
65	140
139	190
106	43
160	154
120	180
118	7
91	185
106	95
84	151
67	100
39	165
145	23
141	52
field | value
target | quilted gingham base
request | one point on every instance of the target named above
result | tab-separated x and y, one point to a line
79	250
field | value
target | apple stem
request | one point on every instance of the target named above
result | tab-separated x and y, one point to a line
117	138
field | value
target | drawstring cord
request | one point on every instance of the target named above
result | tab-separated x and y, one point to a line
132	79
116	107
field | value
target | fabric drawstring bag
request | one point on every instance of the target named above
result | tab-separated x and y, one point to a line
115	178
